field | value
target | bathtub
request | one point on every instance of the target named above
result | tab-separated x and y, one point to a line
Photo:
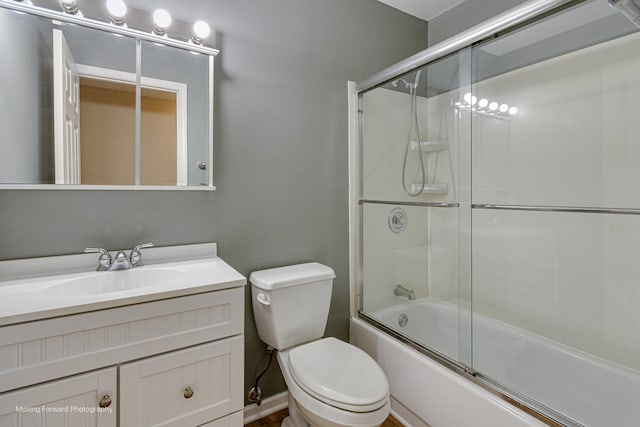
587	389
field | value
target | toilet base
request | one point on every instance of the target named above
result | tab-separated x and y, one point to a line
287	422
295	418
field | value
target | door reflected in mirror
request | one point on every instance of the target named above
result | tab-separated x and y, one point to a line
107	134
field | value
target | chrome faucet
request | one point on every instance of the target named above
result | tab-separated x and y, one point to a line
401	291
121	260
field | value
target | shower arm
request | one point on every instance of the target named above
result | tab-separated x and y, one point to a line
509	19
628	8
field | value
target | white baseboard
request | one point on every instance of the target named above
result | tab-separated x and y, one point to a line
269	406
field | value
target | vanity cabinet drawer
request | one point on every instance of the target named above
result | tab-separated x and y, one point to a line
87	400
39	351
185	388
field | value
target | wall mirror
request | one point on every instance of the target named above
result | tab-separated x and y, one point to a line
91	106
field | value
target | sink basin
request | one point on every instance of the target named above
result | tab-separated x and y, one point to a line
113	281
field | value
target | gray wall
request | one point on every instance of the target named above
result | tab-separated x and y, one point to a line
466	15
280	157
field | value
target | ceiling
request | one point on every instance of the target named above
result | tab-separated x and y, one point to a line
423	9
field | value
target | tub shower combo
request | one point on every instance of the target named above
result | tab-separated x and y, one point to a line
496	210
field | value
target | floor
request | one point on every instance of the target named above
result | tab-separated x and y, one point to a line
274	420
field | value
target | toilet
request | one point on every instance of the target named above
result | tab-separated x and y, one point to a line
331	383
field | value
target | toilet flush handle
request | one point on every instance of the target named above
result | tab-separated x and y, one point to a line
263	299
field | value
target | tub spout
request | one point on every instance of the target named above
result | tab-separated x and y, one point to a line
401	291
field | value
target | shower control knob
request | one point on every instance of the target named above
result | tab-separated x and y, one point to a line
397	220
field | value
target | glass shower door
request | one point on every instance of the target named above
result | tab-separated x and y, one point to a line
556	215
412	205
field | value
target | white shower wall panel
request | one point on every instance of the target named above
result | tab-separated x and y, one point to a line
425	256
391	259
385	128
572	280
574	139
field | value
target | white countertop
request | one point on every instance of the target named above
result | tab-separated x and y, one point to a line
28	299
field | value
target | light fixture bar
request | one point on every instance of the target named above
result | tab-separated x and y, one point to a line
105	26
485	108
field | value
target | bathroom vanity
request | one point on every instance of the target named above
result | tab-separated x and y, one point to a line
161	344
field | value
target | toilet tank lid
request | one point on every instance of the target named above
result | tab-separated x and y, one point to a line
291	275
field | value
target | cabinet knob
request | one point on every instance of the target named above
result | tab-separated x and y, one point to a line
105	401
188	392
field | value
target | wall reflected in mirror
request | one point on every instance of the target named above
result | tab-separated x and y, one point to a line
68	110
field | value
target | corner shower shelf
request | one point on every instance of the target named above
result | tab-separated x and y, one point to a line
439	188
428	146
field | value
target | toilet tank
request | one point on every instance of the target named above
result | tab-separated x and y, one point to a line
291	304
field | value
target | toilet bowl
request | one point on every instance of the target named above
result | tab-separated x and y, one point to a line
346	389
331	383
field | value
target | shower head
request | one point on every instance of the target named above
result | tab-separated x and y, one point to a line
406	84
629	8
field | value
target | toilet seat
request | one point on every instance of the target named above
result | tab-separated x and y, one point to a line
340	375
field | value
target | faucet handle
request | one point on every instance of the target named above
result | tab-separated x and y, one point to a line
135	257
142	246
105	257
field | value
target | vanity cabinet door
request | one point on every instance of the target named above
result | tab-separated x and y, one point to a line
87	400
185	388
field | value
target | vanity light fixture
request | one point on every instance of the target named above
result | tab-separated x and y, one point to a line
201	31
161	21
117	12
485	107
70	7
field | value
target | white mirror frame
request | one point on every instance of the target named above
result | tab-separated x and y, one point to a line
139	36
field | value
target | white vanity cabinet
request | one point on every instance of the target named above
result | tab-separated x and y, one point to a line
184	388
86	400
179	362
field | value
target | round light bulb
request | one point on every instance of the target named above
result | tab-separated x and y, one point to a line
117	11
493	106
513	111
467	98
161	21
69	6
474	100
483	103
504	108
201	30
